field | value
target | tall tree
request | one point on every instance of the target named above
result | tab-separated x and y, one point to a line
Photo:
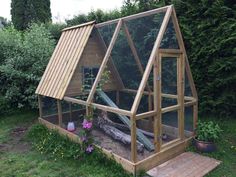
24	12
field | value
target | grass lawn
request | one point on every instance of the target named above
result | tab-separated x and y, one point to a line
17	158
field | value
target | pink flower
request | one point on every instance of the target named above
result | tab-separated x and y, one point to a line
89	149
87	124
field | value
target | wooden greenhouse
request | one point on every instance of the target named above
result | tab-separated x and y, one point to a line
135	71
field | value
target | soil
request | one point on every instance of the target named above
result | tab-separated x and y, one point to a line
16	141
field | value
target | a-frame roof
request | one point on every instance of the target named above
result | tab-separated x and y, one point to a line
64	60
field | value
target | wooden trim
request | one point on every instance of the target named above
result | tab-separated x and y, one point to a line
133	129
59	109
190	103
151	60
102	107
131	17
145	115
78	26
187	98
162	156
170	108
171	143
170	51
104	62
180	71
157	103
135	53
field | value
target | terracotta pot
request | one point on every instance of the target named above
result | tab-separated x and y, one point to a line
204	146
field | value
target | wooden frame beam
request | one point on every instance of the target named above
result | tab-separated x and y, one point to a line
131	17
104	62
145	115
59	109
99	106
151	60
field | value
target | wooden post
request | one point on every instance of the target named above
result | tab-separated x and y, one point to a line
59	109
157	103
40	106
180	89
133	140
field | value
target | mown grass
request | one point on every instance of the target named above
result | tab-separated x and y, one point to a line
33	163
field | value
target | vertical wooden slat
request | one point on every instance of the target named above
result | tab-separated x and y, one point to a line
180	88
151	61
157	103
195	117
59	109
104	62
133	140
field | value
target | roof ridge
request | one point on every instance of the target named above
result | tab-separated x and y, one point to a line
80	25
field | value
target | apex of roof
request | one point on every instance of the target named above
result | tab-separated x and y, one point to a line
80	25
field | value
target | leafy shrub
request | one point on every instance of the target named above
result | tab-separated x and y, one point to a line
23	58
208	131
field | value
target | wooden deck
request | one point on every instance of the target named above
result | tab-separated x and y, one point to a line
187	164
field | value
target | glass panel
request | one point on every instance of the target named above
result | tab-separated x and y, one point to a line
106	32
188	120
123	61
49	106
166	102
169	40
187	90
170	126
144	32
169	75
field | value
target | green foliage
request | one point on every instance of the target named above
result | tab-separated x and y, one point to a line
208	131
23	58
209	30
24	12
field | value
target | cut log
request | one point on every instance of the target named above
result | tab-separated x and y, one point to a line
117	134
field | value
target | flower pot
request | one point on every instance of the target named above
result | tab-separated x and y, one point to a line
71	126
204	146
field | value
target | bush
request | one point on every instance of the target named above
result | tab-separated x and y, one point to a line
23	58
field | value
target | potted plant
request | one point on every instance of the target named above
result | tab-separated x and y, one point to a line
207	133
